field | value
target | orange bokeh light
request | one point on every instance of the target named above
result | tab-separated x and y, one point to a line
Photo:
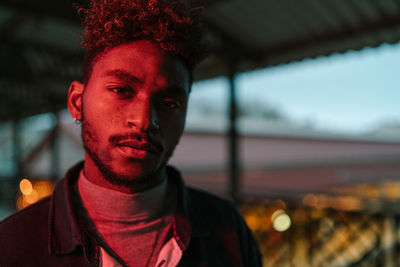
26	187
33	191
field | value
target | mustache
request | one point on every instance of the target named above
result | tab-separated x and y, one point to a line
118	138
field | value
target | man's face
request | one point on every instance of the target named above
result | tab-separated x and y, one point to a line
133	112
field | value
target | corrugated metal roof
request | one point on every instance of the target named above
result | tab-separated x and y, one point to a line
259	33
39	52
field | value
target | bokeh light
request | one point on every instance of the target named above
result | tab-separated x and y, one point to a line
26	187
33	191
281	222
32	197
276	214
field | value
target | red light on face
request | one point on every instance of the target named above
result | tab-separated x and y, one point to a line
134	108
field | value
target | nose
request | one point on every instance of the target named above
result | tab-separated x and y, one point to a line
143	116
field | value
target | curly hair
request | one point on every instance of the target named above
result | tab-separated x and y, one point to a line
171	24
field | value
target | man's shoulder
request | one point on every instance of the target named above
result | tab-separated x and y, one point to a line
26	224
27	213
201	201
226	224
197	194
211	205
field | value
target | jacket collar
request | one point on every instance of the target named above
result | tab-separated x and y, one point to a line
187	222
64	232
68	231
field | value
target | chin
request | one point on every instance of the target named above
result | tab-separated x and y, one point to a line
134	177
125	171
131	173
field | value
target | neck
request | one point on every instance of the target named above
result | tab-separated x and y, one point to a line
129	185
107	205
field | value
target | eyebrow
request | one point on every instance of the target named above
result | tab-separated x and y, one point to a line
123	75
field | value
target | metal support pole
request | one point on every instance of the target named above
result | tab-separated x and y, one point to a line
17	172
396	239
55	155
234	168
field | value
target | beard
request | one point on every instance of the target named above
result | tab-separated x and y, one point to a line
104	163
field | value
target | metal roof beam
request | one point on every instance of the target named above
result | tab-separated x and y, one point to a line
389	22
230	46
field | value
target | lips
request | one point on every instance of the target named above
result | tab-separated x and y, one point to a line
138	145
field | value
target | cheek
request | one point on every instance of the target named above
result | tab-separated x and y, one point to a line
100	110
173	129
98	124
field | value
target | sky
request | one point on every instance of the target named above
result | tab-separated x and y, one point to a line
354	92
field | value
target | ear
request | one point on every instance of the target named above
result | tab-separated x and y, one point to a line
75	94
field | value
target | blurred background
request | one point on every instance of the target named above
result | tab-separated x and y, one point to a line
294	116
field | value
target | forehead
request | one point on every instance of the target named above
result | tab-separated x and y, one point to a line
145	61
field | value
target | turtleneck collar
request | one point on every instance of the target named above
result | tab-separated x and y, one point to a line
111	204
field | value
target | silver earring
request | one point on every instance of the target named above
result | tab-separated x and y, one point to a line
77	122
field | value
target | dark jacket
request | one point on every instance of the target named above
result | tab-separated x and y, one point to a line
209	231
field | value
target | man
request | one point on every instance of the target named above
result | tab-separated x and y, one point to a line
123	206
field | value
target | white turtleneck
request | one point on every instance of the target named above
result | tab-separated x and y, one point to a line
134	226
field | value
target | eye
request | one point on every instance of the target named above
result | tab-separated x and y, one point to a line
171	104
122	91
